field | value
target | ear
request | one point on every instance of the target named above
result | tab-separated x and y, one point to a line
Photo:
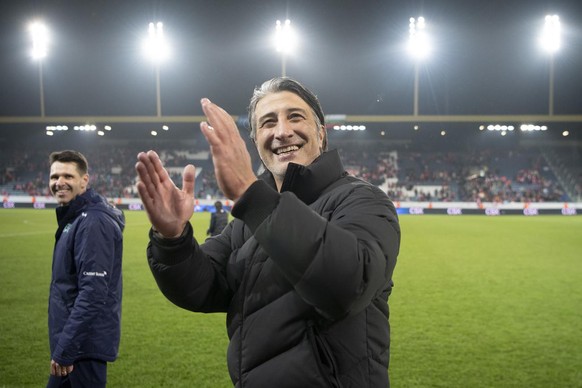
322	135
84	181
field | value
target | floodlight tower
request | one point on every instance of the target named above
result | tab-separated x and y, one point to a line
285	42
39	36
418	46
551	41
157	50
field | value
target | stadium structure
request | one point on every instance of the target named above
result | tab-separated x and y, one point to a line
428	162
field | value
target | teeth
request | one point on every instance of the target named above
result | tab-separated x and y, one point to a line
286	149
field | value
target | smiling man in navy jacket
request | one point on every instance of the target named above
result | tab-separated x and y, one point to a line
304	270
85	292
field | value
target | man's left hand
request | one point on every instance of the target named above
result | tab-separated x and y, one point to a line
232	161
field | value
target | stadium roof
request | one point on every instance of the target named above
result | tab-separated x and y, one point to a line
486	63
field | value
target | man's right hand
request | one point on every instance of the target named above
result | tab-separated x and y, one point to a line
60	370
168	208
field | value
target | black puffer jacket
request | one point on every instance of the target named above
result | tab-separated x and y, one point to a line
304	276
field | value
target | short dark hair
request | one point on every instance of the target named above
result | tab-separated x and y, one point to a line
69	156
285	84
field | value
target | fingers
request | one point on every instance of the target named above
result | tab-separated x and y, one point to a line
146	198
160	172
188	179
209	133
60	370
144	183
153	175
150	167
154	167
143	169
220	123
212	111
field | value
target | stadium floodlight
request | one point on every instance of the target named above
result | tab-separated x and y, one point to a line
285	41
349	127
85	128
418	42
157	50
51	129
155	46
39	36
533	128
501	128
551	42
551	34
419	49
57	128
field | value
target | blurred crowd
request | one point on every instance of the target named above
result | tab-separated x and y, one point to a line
406	174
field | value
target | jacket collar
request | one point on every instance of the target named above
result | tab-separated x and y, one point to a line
82	202
67	214
308	182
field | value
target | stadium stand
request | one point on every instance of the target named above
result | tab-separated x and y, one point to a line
406	172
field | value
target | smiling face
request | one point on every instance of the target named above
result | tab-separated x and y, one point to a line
287	131
66	182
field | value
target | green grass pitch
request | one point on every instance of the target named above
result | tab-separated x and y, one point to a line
478	302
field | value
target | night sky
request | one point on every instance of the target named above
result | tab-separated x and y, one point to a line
486	58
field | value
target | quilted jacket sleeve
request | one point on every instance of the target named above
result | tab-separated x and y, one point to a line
338	261
189	276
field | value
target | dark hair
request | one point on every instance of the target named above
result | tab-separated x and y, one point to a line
70	156
281	84
218	205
